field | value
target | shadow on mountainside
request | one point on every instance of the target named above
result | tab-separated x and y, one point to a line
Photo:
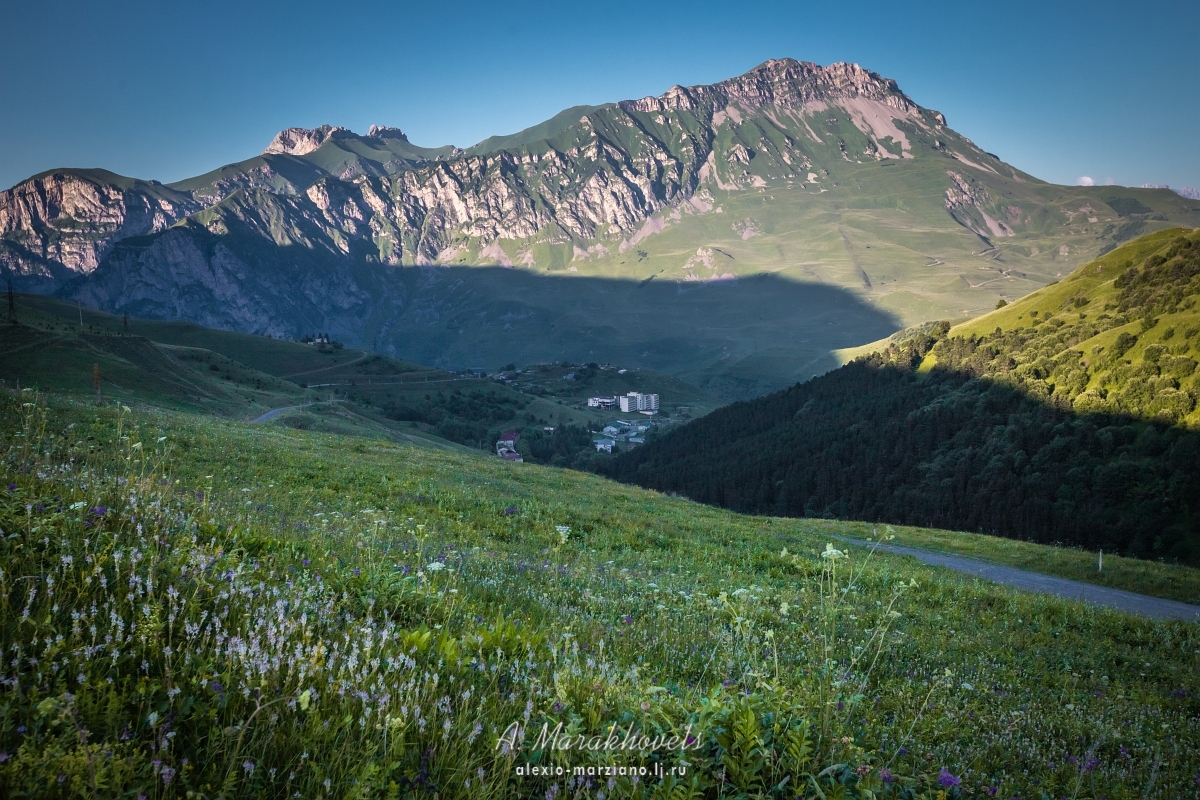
735	338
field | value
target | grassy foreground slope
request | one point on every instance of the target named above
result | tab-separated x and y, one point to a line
1067	417
196	608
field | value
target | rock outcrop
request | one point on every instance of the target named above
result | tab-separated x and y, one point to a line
302	141
63	223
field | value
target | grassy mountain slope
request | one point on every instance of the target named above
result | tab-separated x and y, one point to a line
358	581
534	133
1076	424
181	365
174	365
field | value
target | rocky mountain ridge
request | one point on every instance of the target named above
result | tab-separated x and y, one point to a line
826	176
616	172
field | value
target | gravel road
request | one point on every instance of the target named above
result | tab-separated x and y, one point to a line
1131	602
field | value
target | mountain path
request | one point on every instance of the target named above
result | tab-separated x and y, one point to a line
1130	602
326	369
275	412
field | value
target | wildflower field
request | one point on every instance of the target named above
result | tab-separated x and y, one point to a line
196	608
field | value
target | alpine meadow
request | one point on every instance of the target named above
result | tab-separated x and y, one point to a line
759	438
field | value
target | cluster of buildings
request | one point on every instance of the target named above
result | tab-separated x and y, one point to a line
634	401
632	433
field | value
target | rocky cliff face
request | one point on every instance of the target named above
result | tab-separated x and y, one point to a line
597	179
63	223
302	141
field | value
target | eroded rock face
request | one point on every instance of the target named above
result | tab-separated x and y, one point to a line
385	132
301	141
968	201
64	223
780	82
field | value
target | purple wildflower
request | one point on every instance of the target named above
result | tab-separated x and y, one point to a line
948	780
508	512
885	775
100	511
12	487
248	765
306	562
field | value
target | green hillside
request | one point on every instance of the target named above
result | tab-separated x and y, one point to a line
180	365
282	612
534	133
1120	335
327	388
1067	417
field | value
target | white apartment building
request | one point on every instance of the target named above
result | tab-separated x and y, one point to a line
636	401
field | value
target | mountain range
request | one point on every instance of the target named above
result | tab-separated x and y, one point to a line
732	235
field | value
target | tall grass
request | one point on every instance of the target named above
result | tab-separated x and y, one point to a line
194	609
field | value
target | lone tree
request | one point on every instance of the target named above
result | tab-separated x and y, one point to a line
126	323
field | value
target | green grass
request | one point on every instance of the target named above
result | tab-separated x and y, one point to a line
349	617
1070	333
188	367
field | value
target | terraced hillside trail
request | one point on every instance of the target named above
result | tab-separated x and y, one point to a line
326	369
1130	602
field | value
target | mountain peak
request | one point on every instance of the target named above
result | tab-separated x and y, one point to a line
300	141
386	132
784	82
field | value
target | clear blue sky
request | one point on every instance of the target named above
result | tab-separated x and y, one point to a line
169	90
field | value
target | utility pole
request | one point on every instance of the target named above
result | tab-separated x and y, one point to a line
80	305
126	323
96	381
12	303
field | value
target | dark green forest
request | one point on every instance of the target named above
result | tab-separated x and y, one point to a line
1070	426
